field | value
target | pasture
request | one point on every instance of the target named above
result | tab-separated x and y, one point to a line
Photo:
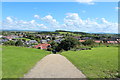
100	62
16	61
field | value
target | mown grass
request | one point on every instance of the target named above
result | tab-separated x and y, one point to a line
70	33
16	61
100	62
23	38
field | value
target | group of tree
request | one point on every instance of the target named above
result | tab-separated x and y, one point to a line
13	43
88	42
69	43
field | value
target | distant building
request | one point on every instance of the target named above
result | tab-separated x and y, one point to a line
96	41
43	41
42	46
10	37
82	40
112	42
58	40
32	42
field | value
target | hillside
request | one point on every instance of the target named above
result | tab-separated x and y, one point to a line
19	60
101	62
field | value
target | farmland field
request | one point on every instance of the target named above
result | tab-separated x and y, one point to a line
101	62
23	38
16	61
70	33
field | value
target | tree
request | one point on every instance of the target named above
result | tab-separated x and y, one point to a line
11	43
104	41
19	43
53	44
53	38
67	44
88	42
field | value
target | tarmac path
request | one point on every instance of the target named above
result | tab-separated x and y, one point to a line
54	66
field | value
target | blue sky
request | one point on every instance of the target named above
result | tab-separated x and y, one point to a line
73	16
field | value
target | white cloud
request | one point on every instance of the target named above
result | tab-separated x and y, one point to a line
50	21
14	24
86	1
104	20
9	19
32	21
72	22
37	16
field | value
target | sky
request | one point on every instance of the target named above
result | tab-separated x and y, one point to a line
95	17
83	1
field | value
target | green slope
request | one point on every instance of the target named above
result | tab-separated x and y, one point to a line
99	62
16	61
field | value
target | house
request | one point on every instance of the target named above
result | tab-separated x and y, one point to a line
112	42
58	36
82	40
42	46
97	41
32	42
48	40
77	37
85	38
43	41
58	40
48	36
10	37
4	40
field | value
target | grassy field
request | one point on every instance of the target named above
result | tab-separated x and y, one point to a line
23	38
100	62
69	33
16	61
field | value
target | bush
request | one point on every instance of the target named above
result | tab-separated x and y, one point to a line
19	43
53	44
88	42
11	43
49	49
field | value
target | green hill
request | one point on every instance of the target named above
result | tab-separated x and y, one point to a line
99	62
16	61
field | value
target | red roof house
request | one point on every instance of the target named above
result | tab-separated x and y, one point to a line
42	46
97	41
112	42
82	40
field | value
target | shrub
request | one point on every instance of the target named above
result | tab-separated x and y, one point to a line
88	42
49	49
11	43
53	44
19	43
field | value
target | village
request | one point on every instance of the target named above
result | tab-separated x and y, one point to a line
41	40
